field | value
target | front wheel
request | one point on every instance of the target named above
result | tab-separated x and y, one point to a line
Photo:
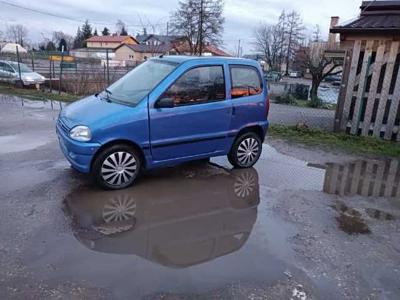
245	151
116	167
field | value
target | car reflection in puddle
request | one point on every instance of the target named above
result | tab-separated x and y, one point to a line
176	217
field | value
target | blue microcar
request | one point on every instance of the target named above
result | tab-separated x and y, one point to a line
166	111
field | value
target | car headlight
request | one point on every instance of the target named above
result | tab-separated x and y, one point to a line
80	133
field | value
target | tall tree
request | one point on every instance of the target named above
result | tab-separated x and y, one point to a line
58	36
62	45
200	22
17	33
268	41
78	40
316	34
105	31
320	66
293	35
86	32
95	32
121	28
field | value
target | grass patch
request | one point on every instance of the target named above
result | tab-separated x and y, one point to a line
33	94
355	144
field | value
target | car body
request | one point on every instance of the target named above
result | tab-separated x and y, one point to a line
167	111
273	76
9	72
295	74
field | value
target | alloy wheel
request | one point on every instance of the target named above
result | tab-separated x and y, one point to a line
119	168
248	151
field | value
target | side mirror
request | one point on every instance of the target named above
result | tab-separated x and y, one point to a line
165	103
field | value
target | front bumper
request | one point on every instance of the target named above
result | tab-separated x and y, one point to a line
79	154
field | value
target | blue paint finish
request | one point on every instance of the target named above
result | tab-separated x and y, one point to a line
166	136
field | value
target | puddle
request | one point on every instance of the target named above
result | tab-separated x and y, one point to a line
21	142
365	178
174	220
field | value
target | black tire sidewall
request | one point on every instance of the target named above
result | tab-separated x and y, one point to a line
96	169
232	156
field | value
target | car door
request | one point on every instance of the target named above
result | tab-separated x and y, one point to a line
3	73
198	122
248	96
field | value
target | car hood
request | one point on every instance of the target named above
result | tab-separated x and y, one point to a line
32	75
91	111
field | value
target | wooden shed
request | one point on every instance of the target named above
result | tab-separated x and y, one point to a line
370	92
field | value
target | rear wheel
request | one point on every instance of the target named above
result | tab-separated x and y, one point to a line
116	167
245	151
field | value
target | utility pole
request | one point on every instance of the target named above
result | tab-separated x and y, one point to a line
238	50
201	28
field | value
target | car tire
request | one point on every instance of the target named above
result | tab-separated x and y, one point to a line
246	150
116	167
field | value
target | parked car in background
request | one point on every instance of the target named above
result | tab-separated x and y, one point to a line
167	111
9	72
295	74
273	76
333	78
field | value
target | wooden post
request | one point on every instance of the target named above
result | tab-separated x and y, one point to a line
350	84
394	50
373	88
361	87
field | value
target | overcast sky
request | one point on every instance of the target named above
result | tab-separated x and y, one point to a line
241	16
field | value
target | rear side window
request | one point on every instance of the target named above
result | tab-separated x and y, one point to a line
246	81
198	85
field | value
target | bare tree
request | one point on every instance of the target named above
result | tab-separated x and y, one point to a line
293	36
268	41
316	34
58	36
17	33
121	28
320	66
200	22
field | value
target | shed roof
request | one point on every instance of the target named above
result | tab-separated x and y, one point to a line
109	38
375	17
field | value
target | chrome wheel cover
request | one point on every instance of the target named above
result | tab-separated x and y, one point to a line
244	185
248	151
119	168
120	208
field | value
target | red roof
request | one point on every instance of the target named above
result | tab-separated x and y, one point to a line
109	38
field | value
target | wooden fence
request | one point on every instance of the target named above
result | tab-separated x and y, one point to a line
370	94
365	178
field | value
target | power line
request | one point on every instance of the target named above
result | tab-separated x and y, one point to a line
42	12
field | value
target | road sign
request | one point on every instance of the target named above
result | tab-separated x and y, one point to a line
65	58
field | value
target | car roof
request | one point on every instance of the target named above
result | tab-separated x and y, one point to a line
213	59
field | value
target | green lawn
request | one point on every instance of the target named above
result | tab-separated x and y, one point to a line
33	94
353	144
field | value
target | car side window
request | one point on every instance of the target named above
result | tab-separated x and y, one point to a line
246	81
2	66
7	68
198	85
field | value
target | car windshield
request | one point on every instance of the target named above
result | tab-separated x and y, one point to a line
24	68
135	85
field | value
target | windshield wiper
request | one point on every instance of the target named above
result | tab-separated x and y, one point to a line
109	93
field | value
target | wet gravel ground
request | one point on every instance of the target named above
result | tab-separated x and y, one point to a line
302	224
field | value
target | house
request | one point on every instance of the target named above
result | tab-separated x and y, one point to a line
140	52
109	41
155	45
370	92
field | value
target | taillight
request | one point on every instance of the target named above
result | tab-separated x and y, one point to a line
267	106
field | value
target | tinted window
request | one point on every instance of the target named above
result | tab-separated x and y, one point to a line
199	85
135	85
245	81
